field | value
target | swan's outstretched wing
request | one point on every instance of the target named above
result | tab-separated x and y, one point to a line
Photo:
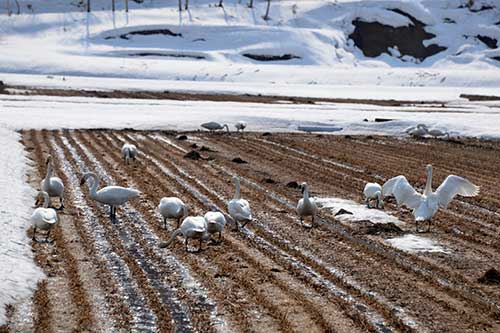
404	193
452	186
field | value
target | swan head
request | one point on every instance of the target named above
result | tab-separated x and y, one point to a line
303	187
48	160
235	179
428	168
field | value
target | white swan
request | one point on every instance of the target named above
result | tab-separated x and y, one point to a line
419	131
192	227
437	133
215	223
172	208
425	205
214	126
109	195
129	151
240	125
52	185
44	218
306	207
239	209
373	191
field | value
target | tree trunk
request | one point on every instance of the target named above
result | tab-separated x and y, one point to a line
220	3
126	6
112	5
266	15
180	5
250	5
187	3
88	6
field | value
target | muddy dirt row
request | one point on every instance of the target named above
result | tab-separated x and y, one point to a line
272	275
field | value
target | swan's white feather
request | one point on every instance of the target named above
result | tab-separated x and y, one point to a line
171	207
452	186
115	195
215	222
239	209
404	193
44	218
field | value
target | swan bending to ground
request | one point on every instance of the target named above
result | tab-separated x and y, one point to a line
418	132
52	185
239	209
172	208
129	151
192	227
425	205
240	125
373	191
215	223
109	195
44	218
306	207
214	126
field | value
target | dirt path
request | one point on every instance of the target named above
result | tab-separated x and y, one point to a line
273	275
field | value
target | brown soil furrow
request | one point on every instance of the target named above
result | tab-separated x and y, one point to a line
123	291
218	198
382	156
310	308
487	236
270	251
436	267
157	296
59	263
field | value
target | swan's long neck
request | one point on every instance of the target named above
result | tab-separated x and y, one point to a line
227	127
428	184
237	193
306	193
173	237
95	183
46	200
49	171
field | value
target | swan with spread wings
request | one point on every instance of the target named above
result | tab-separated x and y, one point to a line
426	205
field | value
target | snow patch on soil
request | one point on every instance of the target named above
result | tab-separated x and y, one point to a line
413	243
18	274
359	211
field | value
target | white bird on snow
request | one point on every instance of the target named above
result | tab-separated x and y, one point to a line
109	195
239	209
215	223
240	125
306	207
52	185
437	133
214	126
129	151
419	131
373	191
192	227
172	208
425	205
44	218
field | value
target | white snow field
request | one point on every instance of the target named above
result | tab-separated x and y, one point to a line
57	44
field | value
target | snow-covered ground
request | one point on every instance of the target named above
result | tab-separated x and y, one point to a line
61	38
18	273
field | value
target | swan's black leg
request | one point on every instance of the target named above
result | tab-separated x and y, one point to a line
186	243
220	237
199	249
245	223
178	222
164	223
429	227
34	234
61	207
47	237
